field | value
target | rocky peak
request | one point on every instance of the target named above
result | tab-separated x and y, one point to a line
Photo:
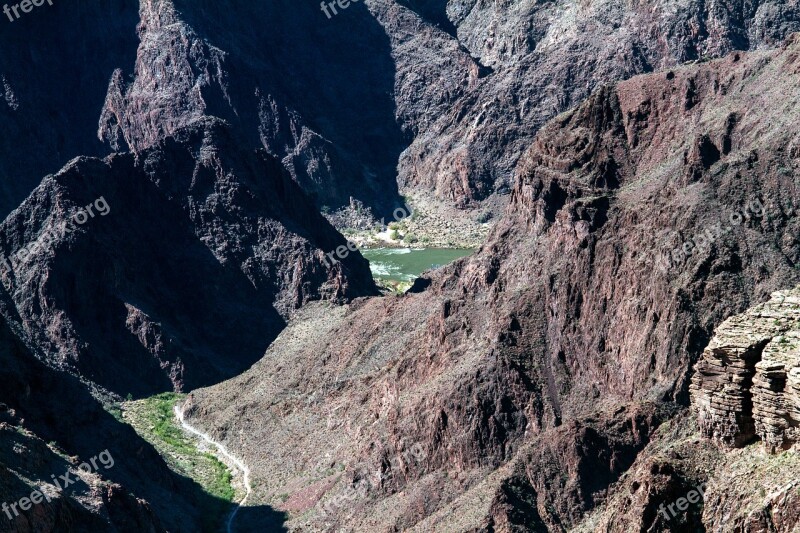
194	218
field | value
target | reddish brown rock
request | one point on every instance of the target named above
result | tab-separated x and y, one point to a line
566	312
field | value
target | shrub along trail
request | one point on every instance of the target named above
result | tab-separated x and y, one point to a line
227	455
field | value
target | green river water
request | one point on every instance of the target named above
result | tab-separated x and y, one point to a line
406	264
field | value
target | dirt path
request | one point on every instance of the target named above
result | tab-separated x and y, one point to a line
225	454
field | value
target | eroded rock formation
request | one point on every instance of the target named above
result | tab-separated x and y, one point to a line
746	383
516	387
451	93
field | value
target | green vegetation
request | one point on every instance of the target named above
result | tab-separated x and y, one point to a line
154	419
115	410
161	419
410	238
220	485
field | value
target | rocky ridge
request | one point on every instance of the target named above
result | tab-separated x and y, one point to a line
539	59
447	98
193	219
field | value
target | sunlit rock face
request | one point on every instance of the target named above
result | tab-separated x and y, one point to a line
747	383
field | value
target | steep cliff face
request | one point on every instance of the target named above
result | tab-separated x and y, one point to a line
746	384
171	268
542	58
446	96
639	221
314	92
654	202
53	82
464	87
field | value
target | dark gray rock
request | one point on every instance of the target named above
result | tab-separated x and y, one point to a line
204	252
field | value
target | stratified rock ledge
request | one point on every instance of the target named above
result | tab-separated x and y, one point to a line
747	383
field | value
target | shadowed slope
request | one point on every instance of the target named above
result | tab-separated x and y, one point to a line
185	280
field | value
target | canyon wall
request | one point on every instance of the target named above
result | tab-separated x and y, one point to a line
428	97
201	252
639	222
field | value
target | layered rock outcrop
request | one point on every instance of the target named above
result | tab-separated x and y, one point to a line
746	383
776	392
